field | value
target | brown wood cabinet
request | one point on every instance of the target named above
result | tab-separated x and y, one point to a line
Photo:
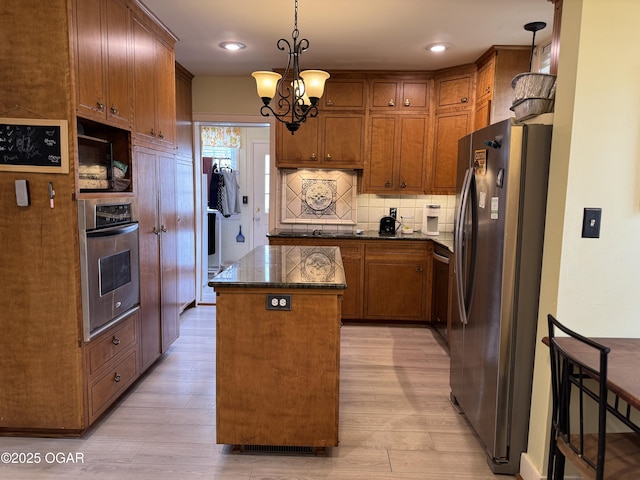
442	291
396	154
352	252
331	140
156	187
394	95
269	395
54	382
345	94
449	127
452	120
396	278
454	90
112	364
387	280
102	45
494	94
154	85
185	190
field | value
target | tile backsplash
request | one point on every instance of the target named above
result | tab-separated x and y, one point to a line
327	200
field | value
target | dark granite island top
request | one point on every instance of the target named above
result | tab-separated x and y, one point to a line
285	267
278	312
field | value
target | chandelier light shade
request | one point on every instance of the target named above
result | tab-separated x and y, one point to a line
296	93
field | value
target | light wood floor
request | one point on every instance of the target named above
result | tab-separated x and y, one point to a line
396	421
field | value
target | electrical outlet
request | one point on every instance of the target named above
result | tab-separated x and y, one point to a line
278	302
393	212
591	222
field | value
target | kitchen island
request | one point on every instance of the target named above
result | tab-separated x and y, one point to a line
278	347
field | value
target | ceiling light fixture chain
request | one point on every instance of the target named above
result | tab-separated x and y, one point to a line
297	92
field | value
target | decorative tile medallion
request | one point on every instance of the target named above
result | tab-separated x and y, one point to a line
319	196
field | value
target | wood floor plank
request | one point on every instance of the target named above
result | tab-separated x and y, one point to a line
396	421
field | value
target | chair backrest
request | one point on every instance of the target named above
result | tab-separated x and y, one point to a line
586	374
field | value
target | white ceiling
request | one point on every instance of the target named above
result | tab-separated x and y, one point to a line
346	34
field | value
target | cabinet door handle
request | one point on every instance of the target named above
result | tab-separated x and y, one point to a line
116	340
329	103
403	184
114	110
328	157
407	102
100	106
153	132
392	103
156	231
313	157
388	184
464	100
163	228
419	269
161	135
117	377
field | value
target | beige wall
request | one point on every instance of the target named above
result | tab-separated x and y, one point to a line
591	285
226	95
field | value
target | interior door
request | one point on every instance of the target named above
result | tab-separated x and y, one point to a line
261	178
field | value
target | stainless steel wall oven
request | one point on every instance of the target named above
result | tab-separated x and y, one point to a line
109	261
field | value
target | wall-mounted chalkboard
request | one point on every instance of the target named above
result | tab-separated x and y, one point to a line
28	145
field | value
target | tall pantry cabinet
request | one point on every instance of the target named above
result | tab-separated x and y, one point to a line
76	61
154	159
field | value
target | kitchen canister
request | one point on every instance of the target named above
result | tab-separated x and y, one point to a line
407	224
430	218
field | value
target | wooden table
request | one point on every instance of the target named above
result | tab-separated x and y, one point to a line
623	369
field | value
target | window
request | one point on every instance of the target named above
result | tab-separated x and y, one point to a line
544	65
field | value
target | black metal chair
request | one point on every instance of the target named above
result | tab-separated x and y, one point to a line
598	455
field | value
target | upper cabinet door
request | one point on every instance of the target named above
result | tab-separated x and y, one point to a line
118	28
89	58
154	87
384	95
144	80
344	94
395	95
454	92
102	29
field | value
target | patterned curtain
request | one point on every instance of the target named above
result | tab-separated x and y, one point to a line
228	137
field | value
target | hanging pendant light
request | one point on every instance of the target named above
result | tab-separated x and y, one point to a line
297	93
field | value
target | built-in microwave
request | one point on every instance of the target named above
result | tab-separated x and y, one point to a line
109	262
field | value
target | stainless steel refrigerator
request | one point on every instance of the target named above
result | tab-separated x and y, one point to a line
501	201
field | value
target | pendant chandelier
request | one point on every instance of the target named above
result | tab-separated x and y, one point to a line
297	93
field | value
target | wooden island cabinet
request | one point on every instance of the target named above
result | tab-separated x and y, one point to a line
104	67
388	279
278	347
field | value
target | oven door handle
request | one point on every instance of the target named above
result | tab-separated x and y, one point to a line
108	232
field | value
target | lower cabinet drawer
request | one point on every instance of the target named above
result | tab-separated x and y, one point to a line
112	343
105	389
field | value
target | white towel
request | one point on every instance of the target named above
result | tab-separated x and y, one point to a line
230	193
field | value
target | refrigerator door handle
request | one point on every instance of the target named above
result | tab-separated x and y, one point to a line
465	292
459	261
474	242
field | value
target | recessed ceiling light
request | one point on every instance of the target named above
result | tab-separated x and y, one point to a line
232	46
438	47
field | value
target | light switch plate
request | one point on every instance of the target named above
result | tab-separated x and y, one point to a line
23	198
591	222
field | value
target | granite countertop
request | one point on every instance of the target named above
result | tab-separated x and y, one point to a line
444	238
289	266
